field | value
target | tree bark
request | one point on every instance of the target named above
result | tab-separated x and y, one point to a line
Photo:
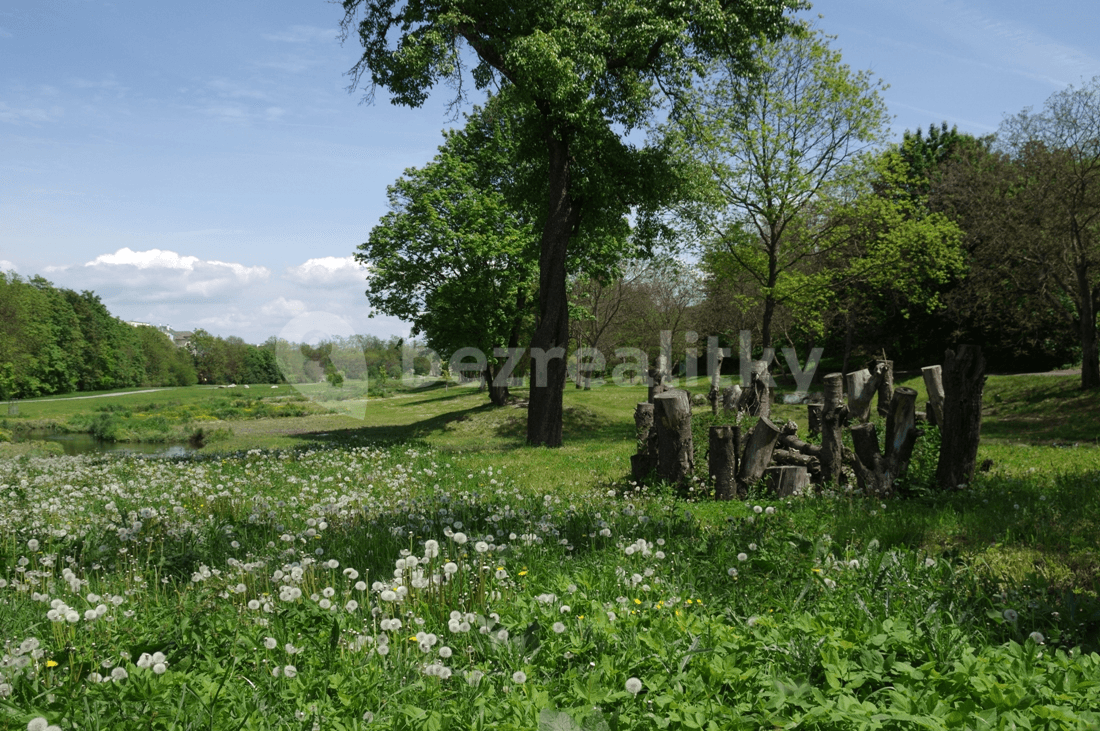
833	416
758	451
675	450
933	383
544	410
1090	356
963	381
723	461
498	394
715	378
876	472
756	400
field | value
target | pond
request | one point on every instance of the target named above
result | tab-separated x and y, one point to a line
74	444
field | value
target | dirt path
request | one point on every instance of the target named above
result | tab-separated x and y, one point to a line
98	395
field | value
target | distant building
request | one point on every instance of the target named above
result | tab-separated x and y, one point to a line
181	338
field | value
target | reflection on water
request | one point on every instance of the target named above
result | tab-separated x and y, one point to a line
87	444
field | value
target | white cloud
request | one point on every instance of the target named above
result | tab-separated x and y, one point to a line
188	292
7	266
327	270
303	34
283	307
153	258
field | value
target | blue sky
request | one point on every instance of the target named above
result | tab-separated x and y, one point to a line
203	165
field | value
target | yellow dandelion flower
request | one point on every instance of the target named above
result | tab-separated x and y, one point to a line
522	573
637	601
51	663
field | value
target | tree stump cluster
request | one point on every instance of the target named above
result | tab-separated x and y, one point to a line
789	465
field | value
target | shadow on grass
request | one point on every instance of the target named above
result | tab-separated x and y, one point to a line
1041	409
495	428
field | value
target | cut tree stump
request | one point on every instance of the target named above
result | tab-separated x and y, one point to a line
862	387
675	451
723	460
933	383
730	398
714	396
787	480
833	416
963	382
813	412
758	451
876	472
656	383
644	461
885	385
756	398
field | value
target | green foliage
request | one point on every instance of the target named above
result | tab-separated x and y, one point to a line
768	148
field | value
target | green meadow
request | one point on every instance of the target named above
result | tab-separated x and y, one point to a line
413	565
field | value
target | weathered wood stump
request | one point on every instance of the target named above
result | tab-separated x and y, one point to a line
885	385
862	387
756	397
787	480
758	451
833	416
675	451
875	471
644	460
714	396
656	383
813	412
723	460
933	383
731	397
963	381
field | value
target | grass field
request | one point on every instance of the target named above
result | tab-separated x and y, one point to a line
421	568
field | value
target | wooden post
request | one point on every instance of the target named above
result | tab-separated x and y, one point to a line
933	383
885	386
787	480
723	461
833	416
963	381
756	397
675	451
758	451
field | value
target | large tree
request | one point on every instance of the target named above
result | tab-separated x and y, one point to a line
1056	206
771	146
588	71
453	256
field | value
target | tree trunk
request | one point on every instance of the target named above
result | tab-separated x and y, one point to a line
723	461
875	471
933	383
756	400
963	381
675	450
656	383
544	410
833	416
498	394
1090	357
758	451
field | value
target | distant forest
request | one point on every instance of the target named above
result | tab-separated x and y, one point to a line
55	341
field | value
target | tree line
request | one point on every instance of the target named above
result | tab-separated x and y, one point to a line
773	176
56	341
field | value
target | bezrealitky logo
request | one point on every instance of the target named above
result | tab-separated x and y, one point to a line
325	360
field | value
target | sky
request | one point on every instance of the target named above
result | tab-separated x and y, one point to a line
203	164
